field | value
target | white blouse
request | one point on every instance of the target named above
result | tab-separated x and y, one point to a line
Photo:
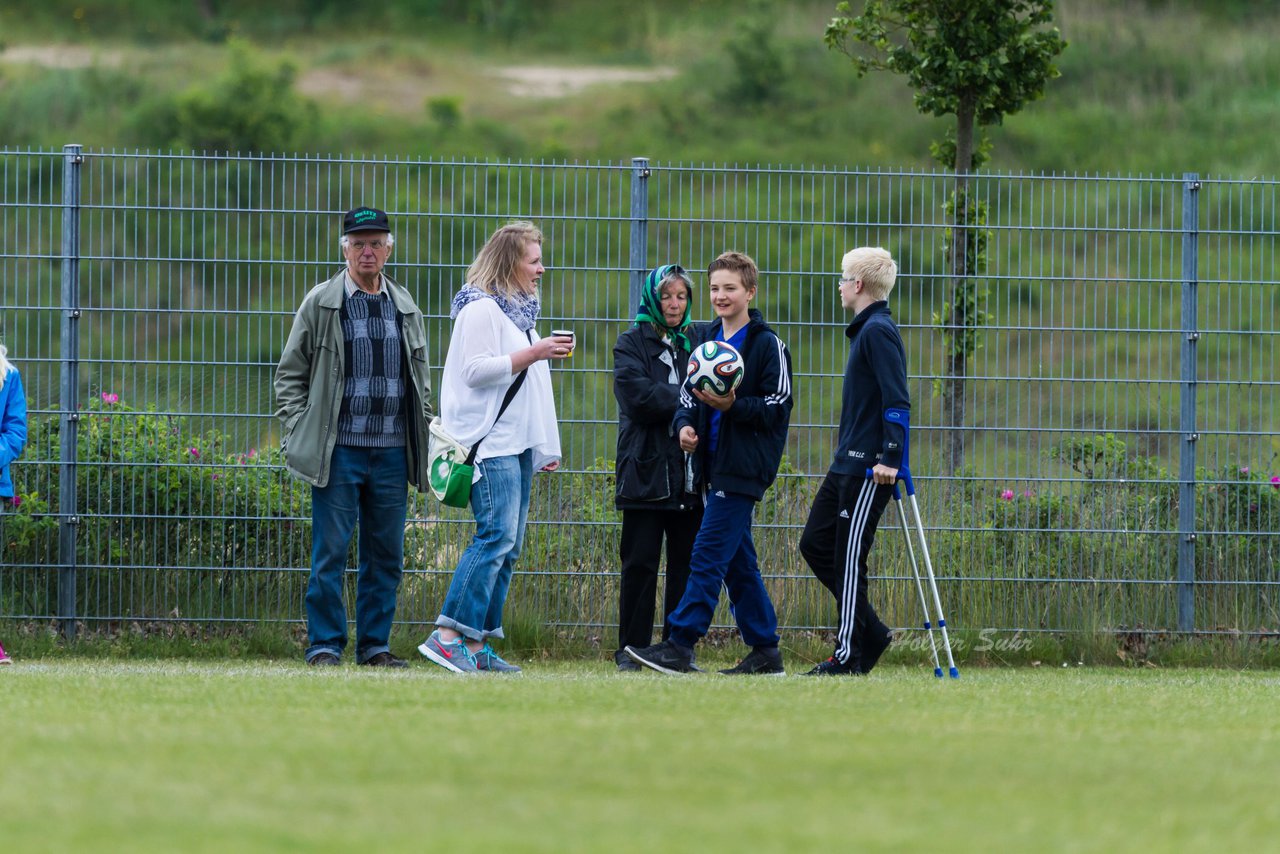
477	373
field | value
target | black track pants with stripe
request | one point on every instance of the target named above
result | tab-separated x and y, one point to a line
836	542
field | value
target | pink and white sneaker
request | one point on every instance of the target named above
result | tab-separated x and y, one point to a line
4	657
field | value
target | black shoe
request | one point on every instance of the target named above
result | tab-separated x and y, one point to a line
872	649
665	657
833	667
624	661
324	659
761	661
384	659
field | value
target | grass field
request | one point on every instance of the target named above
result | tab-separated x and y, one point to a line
146	756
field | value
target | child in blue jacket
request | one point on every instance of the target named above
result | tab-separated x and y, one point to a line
13	433
738	442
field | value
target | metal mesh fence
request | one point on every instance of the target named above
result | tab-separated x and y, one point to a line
1110	467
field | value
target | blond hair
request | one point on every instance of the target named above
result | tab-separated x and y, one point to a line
876	268
494	270
5	364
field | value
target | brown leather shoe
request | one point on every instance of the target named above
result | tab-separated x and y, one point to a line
384	659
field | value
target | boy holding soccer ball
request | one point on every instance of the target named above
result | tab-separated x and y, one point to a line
873	413
737	439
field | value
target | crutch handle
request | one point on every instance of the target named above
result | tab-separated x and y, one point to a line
904	475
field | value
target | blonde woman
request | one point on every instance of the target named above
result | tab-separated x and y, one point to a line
493	347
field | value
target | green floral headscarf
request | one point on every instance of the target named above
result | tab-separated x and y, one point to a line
650	310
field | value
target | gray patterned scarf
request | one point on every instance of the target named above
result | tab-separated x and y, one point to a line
523	310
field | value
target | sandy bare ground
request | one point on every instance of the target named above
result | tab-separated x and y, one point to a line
545	81
61	56
405	92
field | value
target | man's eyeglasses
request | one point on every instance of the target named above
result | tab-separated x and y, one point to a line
361	245
846	280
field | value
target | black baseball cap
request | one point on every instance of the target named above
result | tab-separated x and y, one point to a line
365	219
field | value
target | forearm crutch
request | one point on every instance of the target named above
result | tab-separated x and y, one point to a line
915	572
904	475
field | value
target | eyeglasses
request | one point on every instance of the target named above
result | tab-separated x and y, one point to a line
361	245
845	280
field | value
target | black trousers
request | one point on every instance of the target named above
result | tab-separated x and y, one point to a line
642	536
836	542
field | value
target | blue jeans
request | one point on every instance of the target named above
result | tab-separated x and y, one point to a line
724	554
478	591
369	486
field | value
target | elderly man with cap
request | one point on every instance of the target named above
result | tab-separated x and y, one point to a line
353	396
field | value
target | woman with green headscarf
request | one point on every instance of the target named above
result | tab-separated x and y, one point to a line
655	488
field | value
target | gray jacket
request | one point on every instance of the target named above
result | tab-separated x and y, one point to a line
311	374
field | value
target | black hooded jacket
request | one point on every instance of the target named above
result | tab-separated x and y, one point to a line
753	432
650	467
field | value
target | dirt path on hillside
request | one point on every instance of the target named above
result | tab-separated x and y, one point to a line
406	92
399	92
61	56
546	81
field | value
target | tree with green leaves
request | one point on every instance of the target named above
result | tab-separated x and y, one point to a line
977	60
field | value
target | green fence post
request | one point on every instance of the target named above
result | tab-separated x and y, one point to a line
1187	424
68	519
639	229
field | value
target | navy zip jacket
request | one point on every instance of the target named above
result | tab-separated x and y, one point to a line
875	381
753	432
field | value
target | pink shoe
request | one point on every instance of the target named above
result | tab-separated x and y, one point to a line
4	657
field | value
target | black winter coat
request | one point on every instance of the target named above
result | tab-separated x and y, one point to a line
650	467
753	433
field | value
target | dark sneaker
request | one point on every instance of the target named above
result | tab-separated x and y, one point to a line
489	660
761	661
665	657
324	659
384	659
451	655
833	667
625	663
872	649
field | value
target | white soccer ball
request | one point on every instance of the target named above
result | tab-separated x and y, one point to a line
715	367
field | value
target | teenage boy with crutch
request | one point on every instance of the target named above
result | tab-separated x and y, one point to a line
873	416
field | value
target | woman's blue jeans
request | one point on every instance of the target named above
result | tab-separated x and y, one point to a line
500	503
369	486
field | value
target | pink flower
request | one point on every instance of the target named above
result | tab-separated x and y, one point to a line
215	477
17	501
1244	470
1007	495
1275	481
253	452
1028	494
195	452
110	397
